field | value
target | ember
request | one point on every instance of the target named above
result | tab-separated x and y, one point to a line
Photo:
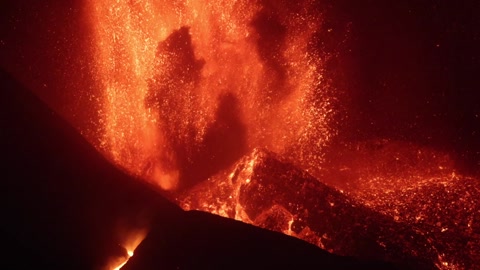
193	79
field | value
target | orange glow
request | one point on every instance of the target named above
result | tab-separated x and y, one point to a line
120	266
130	254
134	238
154	101
125	49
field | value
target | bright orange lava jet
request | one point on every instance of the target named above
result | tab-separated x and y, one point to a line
167	68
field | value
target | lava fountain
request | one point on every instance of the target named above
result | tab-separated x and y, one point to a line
190	86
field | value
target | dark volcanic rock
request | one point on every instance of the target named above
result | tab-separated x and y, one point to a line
331	219
271	193
64	206
220	243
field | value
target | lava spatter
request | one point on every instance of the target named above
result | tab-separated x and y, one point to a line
168	68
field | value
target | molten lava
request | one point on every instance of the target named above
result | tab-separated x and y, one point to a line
189	81
133	239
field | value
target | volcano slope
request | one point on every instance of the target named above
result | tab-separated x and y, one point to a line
64	206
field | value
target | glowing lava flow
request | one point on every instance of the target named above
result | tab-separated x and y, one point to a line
178	76
134	238
130	254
